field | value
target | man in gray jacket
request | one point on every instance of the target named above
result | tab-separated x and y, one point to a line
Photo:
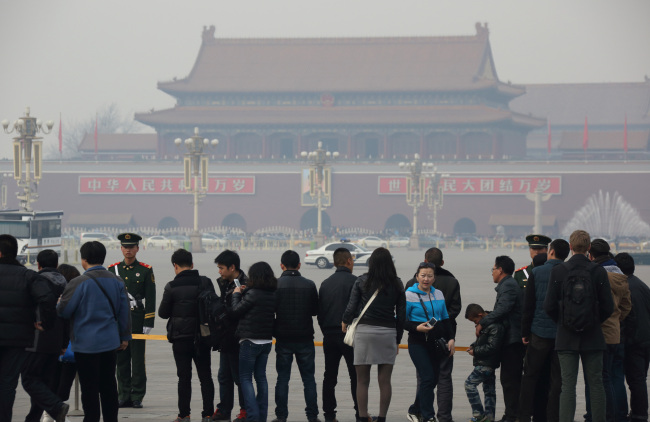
507	310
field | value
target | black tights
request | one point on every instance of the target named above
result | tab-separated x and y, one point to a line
384	372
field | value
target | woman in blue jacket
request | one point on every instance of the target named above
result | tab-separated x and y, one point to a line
424	302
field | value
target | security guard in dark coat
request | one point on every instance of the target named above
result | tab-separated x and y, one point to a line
537	244
141	289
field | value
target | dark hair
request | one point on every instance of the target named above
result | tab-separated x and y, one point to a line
93	252
434	256
506	264
260	276
473	310
540	259
182	258
228	258
561	248
68	271
290	259
625	262
599	247
381	271
341	256
8	246
47	258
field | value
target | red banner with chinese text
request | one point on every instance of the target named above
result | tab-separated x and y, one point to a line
481	185
140	185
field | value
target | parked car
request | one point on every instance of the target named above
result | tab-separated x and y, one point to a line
110	242
399	242
431	241
158	242
469	241
91	236
179	241
372	242
323	257
212	240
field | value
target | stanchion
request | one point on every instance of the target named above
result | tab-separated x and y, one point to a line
76	411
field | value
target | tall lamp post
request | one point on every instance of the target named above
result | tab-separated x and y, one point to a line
195	166
27	128
415	193
435	196
317	169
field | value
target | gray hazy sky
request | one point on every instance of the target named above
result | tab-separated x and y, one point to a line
75	56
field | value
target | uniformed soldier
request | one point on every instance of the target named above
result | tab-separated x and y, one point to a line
537	244
141	289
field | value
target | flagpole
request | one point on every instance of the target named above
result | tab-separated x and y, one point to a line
60	139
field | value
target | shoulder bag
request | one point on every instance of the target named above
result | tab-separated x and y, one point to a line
352	328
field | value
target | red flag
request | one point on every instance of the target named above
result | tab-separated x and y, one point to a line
549	135
625	135
585	136
60	135
95	134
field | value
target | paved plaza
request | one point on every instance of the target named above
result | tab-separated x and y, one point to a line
470	267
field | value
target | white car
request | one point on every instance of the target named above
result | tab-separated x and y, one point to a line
91	236
372	242
160	242
323	257
212	241
110	242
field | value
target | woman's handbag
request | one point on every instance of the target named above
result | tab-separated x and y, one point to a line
352	328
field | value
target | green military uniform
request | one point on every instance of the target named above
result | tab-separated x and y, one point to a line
141	288
534	241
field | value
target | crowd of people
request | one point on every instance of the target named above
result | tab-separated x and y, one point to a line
547	317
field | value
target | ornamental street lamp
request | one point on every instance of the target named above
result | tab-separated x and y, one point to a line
415	193
195	166
317	172
435	196
27	128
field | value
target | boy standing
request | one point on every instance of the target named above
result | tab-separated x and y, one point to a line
486	352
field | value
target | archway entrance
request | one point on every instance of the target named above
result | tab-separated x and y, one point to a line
234	220
309	221
167	223
398	224
464	226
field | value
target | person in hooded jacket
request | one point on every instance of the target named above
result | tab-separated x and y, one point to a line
42	356
613	365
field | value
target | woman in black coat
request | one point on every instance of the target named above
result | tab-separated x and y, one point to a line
254	306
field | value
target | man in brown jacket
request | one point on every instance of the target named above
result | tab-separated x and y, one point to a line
613	364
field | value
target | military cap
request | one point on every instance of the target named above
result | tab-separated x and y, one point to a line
129	239
538	241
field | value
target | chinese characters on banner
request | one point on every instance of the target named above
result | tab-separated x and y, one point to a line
483	185
229	185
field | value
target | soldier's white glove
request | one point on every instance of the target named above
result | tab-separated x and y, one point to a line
146	330
132	302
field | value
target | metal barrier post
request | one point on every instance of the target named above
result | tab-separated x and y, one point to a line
76	411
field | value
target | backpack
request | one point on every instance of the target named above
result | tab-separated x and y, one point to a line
212	312
579	301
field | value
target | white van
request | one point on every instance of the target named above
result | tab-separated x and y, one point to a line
90	236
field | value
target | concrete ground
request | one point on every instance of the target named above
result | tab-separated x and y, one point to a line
470	267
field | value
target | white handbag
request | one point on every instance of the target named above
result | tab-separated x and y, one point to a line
352	328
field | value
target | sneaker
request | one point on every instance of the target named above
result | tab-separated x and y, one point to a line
414	417
62	413
279	420
185	419
433	419
241	417
46	418
220	417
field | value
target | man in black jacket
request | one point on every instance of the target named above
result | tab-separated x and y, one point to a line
296	304
333	297
21	291
507	310
180	304
637	339
450	288
42	356
228	376
587	345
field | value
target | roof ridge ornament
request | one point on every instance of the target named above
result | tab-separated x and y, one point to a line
208	33
482	30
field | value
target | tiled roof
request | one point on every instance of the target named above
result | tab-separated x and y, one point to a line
115	142
462	63
600	103
425	115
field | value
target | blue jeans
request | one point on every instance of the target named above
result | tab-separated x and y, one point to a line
428	368
252	362
305	358
482	375
228	377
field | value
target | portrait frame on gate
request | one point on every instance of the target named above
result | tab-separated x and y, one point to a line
306	197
